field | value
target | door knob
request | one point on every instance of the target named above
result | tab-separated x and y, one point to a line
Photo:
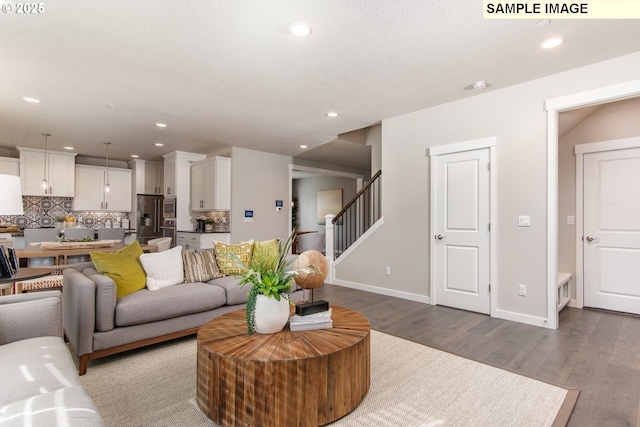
440	237
591	239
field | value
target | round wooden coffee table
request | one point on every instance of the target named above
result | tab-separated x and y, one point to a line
305	378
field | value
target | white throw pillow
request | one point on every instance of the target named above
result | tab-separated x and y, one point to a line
163	268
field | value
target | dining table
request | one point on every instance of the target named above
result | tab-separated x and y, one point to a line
60	255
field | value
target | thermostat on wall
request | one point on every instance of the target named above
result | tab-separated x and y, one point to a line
248	216
279	205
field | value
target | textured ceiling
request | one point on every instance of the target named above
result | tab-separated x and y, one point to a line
228	73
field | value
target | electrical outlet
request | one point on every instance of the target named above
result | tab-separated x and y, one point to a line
524	221
387	271
522	290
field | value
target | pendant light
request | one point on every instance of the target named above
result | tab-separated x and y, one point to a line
45	182
106	183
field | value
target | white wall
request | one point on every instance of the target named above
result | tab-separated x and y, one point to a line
258	179
306	190
516	116
616	120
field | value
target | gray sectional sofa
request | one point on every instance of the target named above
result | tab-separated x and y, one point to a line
98	324
40	385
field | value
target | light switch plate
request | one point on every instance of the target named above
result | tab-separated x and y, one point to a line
524	221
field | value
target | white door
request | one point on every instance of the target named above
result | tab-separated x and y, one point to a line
462	233
611	235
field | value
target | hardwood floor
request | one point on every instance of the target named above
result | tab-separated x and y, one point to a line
595	351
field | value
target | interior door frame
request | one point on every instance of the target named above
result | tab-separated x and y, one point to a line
580	151
490	143
553	107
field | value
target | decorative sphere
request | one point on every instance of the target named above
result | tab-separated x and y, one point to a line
311	280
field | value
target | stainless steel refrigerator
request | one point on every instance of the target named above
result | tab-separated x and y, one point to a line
149	218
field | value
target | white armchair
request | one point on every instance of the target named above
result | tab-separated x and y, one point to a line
161	243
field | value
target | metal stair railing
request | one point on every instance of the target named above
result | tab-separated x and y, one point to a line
357	216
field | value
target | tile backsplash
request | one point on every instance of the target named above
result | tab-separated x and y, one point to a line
40	212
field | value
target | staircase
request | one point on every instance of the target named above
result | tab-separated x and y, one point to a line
357	216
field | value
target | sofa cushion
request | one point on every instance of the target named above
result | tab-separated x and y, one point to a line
146	306
226	264
123	267
28	319
35	366
70	406
163	268
200	266
235	294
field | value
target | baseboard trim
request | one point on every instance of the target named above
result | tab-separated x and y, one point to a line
382	291
522	318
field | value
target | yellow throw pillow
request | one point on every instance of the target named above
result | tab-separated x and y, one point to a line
267	248
226	264
123	267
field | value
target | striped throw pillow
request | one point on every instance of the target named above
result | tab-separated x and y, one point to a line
200	266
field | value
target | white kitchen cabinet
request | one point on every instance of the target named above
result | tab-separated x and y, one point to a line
60	172
169	182
177	183
90	192
196	241
147	176
211	184
153	178
9	166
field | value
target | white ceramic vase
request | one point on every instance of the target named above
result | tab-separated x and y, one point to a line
271	315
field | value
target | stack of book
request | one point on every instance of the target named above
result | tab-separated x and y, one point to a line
321	320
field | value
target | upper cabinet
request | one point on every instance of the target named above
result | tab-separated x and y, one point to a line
90	189
169	181
153	178
58	168
176	173
211	184
147	176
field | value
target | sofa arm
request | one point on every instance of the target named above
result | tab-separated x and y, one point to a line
79	315
31	315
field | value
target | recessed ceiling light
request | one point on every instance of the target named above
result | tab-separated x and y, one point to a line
552	42
331	114
300	29
159	144
30	99
111	106
543	23
479	85
161	125
303	146
68	147
135	156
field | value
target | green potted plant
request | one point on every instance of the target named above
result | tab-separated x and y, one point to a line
269	273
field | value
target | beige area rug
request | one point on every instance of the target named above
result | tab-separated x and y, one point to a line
411	385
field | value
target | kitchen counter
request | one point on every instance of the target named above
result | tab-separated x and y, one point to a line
195	240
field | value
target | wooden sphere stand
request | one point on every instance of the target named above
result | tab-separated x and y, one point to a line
311	281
